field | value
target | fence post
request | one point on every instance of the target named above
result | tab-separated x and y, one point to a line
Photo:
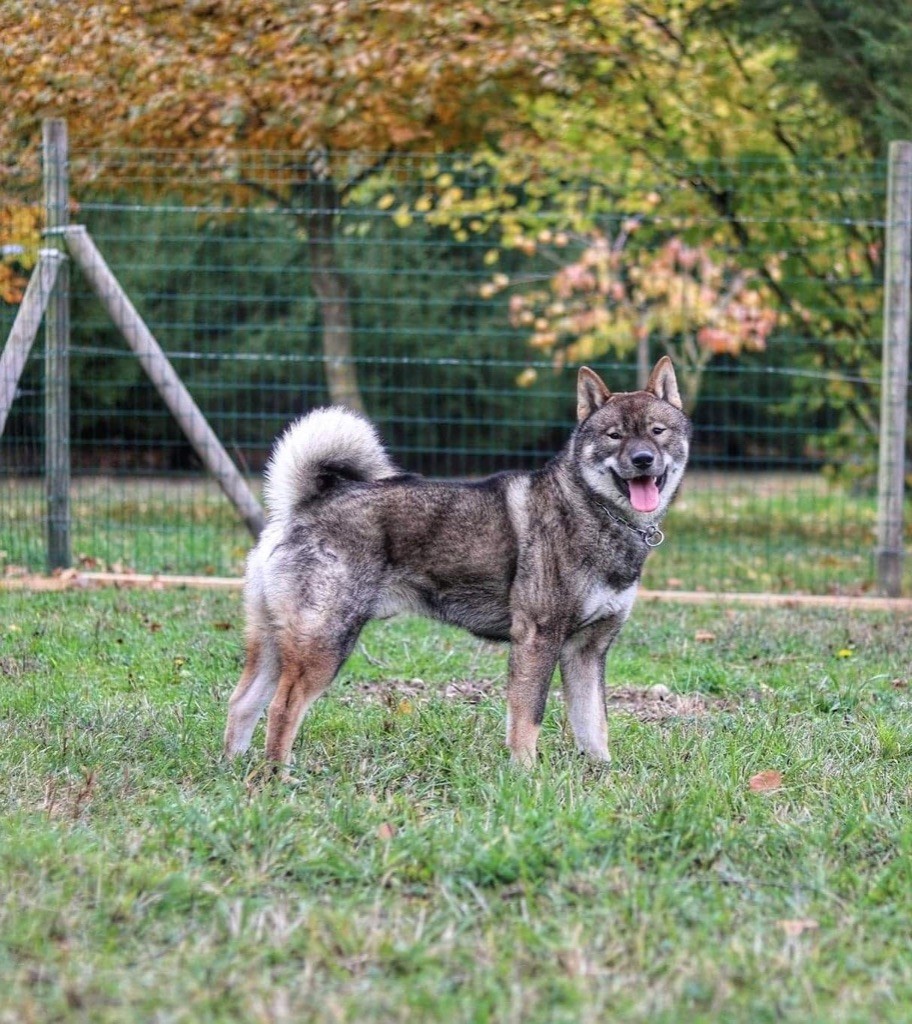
892	456
25	327
57	352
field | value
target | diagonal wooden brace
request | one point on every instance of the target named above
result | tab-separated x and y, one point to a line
163	376
25	327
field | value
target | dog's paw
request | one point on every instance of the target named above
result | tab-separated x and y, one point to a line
600	755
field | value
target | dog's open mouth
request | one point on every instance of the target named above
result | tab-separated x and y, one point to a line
642	491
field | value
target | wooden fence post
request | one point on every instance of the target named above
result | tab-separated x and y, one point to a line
892	452
57	353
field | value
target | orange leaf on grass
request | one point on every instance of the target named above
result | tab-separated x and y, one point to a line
798	926
765	782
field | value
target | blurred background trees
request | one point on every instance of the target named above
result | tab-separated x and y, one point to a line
635	178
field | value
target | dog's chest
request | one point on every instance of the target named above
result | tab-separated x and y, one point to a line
602	601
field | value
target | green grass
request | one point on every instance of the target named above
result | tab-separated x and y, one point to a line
727	531
408	872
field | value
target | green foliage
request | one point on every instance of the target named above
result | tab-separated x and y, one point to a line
236	325
228	297
793	246
859	54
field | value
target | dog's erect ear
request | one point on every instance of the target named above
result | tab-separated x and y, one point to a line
591	393
663	383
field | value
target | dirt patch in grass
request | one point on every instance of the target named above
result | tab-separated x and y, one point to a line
16	668
646	703
656	703
393	691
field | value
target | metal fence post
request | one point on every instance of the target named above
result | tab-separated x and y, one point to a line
57	353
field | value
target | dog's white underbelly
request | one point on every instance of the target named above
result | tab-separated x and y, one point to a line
603	602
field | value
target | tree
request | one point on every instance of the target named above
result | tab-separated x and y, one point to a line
554	98
20	239
317	81
672	128
755	160
858	54
683	298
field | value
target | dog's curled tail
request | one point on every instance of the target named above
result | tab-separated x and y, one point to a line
318	450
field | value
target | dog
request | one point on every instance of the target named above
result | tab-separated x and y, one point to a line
548	560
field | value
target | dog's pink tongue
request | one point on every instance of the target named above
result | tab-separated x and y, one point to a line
644	495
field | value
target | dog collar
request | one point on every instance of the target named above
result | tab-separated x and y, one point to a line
651	536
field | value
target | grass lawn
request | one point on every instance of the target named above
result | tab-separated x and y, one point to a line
408	872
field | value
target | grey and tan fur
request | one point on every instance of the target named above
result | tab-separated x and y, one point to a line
548	560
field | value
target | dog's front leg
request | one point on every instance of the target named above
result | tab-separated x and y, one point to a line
533	658
582	662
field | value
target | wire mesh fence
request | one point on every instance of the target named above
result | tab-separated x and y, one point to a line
453	299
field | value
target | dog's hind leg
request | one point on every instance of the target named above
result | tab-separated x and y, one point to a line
253	692
533	658
582	663
308	667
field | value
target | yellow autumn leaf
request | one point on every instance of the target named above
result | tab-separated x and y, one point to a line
402	218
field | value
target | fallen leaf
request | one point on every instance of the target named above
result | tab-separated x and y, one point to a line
223	626
765	782
404	707
386	831
572	962
798	926
704	636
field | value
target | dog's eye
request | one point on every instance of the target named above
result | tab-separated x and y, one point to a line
659	430
614	435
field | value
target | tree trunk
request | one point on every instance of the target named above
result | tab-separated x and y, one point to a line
333	293
642	359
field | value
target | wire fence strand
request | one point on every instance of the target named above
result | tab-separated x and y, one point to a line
456	302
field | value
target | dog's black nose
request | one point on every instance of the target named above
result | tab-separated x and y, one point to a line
642	459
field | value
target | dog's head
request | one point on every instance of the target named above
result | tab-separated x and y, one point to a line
632	446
